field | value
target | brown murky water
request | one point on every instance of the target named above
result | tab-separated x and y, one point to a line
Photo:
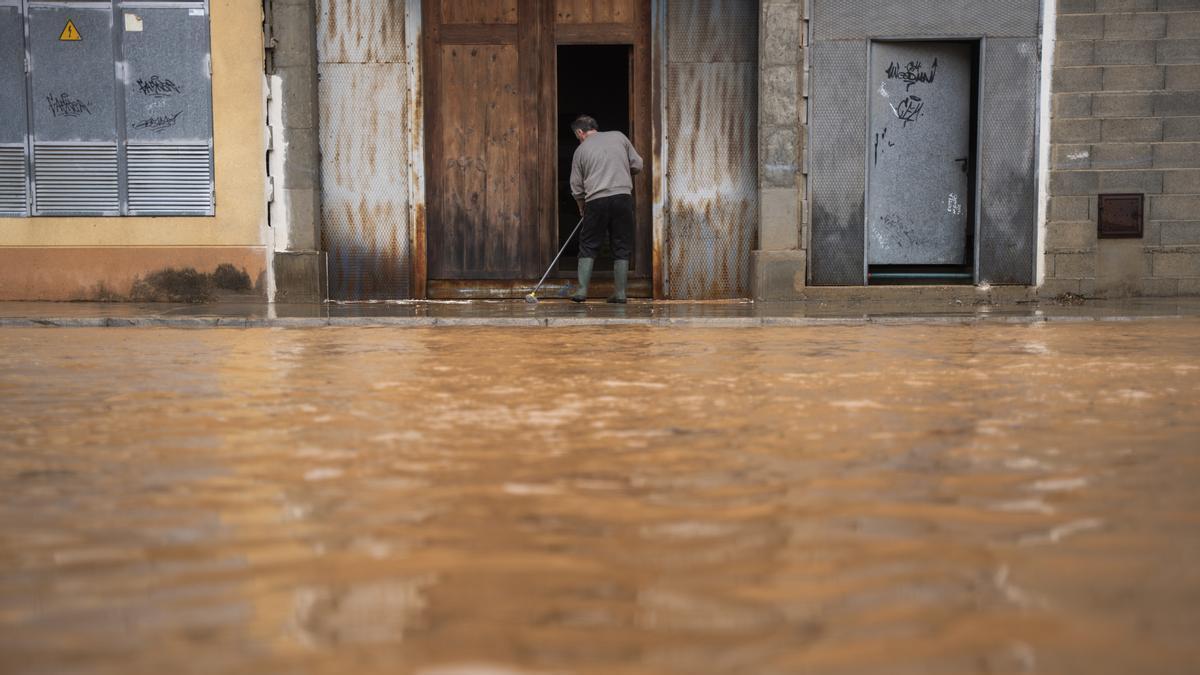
904	499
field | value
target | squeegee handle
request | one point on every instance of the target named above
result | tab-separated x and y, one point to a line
560	252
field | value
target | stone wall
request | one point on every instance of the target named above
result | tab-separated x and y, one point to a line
778	266
294	159
1125	119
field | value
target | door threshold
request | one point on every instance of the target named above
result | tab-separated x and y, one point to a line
486	289
920	275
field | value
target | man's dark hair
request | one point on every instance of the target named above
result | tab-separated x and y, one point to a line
584	123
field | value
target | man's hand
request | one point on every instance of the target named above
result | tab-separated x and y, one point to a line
582	206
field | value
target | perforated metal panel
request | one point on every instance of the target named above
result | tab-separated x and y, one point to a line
73	80
713	201
1008	219
168	88
711	31
13	122
841	30
836	162
860	19
75	179
360	31
712	162
364	180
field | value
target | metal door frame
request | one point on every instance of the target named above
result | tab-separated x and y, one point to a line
22	14
1007	161
418	264
659	141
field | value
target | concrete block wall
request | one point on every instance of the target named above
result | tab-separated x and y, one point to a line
1125	118
778	264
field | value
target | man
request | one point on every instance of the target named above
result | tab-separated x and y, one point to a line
602	183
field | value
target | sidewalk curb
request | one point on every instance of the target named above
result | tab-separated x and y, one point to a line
553	322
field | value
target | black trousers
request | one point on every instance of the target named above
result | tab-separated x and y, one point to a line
612	216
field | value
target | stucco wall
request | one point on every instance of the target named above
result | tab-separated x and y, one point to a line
70	258
1126	119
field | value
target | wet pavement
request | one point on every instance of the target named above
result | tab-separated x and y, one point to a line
873	498
874	306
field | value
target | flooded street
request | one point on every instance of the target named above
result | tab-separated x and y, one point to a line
843	499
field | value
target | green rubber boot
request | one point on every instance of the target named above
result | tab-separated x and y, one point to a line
585	276
620	281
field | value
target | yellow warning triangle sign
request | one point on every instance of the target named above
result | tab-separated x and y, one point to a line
70	33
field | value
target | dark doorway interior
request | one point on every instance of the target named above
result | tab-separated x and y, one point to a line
592	80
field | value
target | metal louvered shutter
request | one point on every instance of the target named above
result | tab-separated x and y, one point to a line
170	179
14	122
75	179
12	180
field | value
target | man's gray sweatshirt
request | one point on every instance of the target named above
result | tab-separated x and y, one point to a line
604	166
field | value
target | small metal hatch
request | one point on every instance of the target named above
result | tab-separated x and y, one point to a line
1120	216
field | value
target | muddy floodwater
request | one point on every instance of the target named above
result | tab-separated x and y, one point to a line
842	499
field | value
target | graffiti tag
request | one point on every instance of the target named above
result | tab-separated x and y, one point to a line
65	106
158	87
882	144
912	73
158	123
909	110
953	206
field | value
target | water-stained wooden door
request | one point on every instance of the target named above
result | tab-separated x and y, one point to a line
482	96
490	135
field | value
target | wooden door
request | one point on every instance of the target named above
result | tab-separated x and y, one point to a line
489	76
482	88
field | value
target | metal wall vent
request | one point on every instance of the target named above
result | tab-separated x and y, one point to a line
12	180
76	179
1120	216
170	179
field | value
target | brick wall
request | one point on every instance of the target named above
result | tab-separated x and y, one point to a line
1125	118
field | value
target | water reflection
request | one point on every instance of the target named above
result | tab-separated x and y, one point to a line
898	499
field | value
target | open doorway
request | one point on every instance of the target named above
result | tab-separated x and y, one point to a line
592	80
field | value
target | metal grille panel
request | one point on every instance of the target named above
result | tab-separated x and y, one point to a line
12	180
75	179
364	180
713	199
837	154
712	159
859	19
1008	216
360	31
170	179
710	31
